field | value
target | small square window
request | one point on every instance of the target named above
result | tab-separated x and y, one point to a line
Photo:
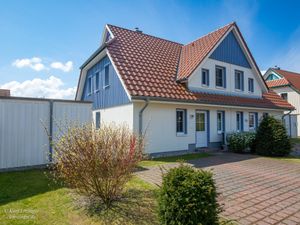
220	77
205	77
284	96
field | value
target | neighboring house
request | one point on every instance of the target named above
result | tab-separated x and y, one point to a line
287	85
183	96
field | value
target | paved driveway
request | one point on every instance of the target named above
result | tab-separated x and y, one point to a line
254	190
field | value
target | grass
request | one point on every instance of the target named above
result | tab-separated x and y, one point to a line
288	158
172	159
29	197
295	140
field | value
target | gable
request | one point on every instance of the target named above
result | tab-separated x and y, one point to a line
230	51
104	97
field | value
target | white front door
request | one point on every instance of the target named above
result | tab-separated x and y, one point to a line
201	129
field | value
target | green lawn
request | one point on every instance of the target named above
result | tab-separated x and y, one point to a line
172	159
29	197
295	140
288	158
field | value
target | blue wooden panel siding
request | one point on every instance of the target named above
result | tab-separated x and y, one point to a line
230	51
101	94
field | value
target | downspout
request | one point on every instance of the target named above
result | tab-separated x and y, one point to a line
50	130
141	117
290	122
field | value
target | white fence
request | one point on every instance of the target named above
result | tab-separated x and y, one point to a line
23	139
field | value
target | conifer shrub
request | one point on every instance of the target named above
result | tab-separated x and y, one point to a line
271	138
188	196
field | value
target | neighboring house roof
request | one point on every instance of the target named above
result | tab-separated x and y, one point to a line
153	67
288	78
4	92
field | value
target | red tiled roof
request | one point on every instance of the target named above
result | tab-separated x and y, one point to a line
276	83
290	77
148	68
269	100
193	53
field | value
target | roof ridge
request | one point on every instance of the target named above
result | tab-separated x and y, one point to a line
229	24
286	71
141	33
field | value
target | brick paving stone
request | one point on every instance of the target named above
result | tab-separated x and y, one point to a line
254	190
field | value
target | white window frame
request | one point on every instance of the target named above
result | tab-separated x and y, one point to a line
97	84
250	79
206	74
90	85
252	127
184	121
223	77
221	130
106	80
239	123
240	74
97	122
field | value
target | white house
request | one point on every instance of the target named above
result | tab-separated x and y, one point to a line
287	85
183	96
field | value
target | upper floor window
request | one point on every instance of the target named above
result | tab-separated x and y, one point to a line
90	85
220	77
181	121
284	96
250	85
220	121
106	76
239	80
97	80
205	77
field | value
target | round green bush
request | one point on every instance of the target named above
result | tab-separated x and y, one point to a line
271	138
187	197
240	142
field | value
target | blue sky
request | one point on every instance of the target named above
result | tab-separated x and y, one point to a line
43	43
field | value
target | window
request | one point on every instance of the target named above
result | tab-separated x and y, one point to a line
106	76
97	76
239	80
250	85
252	121
220	121
239	121
90	85
98	120
265	114
284	96
200	121
220	77
205	77
181	121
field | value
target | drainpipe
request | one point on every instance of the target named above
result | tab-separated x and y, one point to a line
141	116
50	130
290	122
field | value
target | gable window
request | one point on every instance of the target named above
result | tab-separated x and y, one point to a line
97	77
106	76
250	85
205	77
220	121
220	77
252	121
97	120
273	77
90	85
284	96
181	121
239	80
239	121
